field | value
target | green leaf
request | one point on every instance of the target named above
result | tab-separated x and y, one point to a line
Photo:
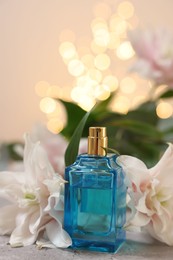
111	150
11	151
139	128
146	112
103	105
167	94
72	149
168	131
74	115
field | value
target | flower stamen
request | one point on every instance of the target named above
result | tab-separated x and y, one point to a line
30	196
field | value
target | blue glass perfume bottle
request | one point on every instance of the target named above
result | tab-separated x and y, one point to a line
95	198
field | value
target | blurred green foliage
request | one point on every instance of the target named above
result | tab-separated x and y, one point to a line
138	133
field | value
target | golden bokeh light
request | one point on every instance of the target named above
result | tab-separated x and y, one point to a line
76	68
55	125
77	94
101	33
41	88
91	62
114	41
121	104
88	60
95	75
126	9
118	25
86	102
159	90
128	85
125	51
86	82
68	50
99	25
102	61
102	92
96	48
102	37
54	92
111	82
137	100
98	22
164	110
47	105
59	112
102	10
85	87
66	92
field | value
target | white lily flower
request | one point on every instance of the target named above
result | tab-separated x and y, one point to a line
30	194
154	49
151	193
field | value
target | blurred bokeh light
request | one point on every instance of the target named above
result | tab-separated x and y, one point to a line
98	66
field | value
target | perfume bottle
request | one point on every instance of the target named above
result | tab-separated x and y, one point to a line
95	197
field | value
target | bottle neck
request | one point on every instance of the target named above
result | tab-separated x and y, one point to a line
96	146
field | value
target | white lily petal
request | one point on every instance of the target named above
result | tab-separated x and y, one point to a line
126	160
161	223
35	160
142	67
131	228
140	220
57	235
151	195
135	170
130	215
9	194
142	207
21	236
35	221
36	201
60	205
55	207
53	200
55	184
43	243
10	185
7	219
165	163
7	178
168	181
165	194
155	227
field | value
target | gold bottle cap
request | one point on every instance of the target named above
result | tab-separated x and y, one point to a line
97	140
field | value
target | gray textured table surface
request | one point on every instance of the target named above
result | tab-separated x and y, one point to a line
130	250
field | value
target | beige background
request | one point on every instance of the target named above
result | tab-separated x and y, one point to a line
29	31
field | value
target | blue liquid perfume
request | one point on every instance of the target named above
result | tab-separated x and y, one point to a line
95	198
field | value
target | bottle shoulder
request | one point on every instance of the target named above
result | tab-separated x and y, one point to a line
95	161
85	156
